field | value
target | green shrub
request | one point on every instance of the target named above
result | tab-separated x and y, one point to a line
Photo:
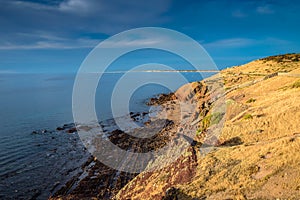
206	122
248	116
230	102
216	118
199	131
209	120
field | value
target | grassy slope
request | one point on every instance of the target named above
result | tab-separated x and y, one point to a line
259	158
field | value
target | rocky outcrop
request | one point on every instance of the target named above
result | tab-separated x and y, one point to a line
253	156
102	182
154	184
181	171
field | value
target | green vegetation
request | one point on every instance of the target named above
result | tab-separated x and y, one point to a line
209	120
229	102
248	116
251	100
199	131
216	118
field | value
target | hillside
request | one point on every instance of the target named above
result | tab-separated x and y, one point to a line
256	155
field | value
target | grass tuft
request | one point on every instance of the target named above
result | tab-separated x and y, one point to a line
248	116
296	84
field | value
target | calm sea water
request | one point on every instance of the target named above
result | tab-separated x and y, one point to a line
35	165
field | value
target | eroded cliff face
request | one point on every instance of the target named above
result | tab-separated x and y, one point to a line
256	154
194	126
243	130
174	127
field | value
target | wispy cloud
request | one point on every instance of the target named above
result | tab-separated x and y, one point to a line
126	42
230	43
48	41
7	72
244	42
81	7
37	35
47	44
265	9
66	6
43	40
239	14
114	11
44	23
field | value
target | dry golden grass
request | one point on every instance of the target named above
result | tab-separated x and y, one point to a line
263	170
266	166
259	155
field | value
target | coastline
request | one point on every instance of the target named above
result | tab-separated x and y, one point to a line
256	153
87	184
251	139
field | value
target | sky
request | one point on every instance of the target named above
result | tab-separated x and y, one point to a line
54	36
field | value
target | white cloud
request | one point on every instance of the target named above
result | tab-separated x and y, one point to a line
43	40
97	16
230	43
139	37
81	7
244	42
46	44
131	43
266	9
41	35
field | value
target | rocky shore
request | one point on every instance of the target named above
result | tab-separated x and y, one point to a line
248	152
102	182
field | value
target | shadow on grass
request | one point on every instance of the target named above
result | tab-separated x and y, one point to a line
233	142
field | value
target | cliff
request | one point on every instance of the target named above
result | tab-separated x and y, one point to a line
244	132
257	152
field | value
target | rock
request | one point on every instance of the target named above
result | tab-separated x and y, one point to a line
72	130
147	123
161	99
69	125
60	128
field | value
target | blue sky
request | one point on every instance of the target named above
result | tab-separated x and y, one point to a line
55	36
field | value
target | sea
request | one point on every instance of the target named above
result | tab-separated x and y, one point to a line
35	159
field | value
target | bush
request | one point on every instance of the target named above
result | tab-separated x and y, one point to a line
199	131
209	120
248	116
